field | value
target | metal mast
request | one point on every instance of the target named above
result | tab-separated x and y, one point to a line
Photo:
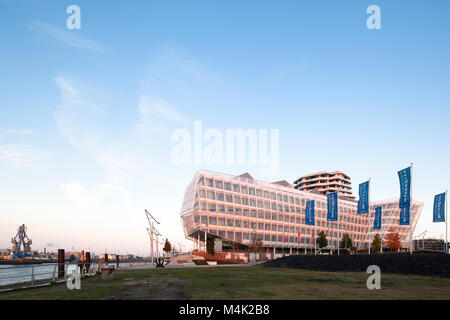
151	231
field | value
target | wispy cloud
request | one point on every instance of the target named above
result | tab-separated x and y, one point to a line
157	115
14	132
18	156
80	119
67	37
77	116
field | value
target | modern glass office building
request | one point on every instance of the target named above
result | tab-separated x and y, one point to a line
230	209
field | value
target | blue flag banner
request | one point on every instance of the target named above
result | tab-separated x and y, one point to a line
377	221
404	216
439	208
363	202
332	206
309	213
405	187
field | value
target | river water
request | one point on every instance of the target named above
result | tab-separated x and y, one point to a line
10	274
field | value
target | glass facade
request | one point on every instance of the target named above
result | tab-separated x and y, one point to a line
235	207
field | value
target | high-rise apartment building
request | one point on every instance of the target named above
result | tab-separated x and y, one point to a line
326	182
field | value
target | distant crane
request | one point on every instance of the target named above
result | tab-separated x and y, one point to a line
21	239
423	238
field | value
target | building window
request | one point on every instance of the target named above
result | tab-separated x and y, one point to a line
213	220
236	188
219	184
228	186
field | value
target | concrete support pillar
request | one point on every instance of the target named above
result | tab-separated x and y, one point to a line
290	250
205	240
198	242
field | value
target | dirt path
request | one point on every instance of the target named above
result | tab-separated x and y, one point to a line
161	288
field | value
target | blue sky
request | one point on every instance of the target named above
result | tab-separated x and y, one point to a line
83	151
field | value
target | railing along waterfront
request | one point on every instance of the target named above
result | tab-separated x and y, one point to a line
29	276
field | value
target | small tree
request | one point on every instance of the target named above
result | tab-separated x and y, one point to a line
376	243
346	241
393	240
255	245
322	240
167	247
210	246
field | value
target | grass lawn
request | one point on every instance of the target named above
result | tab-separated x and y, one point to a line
242	283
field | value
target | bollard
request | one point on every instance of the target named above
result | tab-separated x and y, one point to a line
106	258
61	261
88	260
117	261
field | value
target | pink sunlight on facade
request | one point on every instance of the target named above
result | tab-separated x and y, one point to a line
230	209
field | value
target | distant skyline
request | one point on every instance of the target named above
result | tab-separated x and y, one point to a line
87	116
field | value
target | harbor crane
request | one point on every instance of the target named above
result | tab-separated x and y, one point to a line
21	240
152	232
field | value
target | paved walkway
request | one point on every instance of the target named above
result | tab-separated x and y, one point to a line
184	261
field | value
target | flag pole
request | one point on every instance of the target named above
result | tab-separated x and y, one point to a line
368	218
314	238
410	212
446	221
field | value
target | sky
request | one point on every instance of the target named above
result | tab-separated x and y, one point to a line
87	115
